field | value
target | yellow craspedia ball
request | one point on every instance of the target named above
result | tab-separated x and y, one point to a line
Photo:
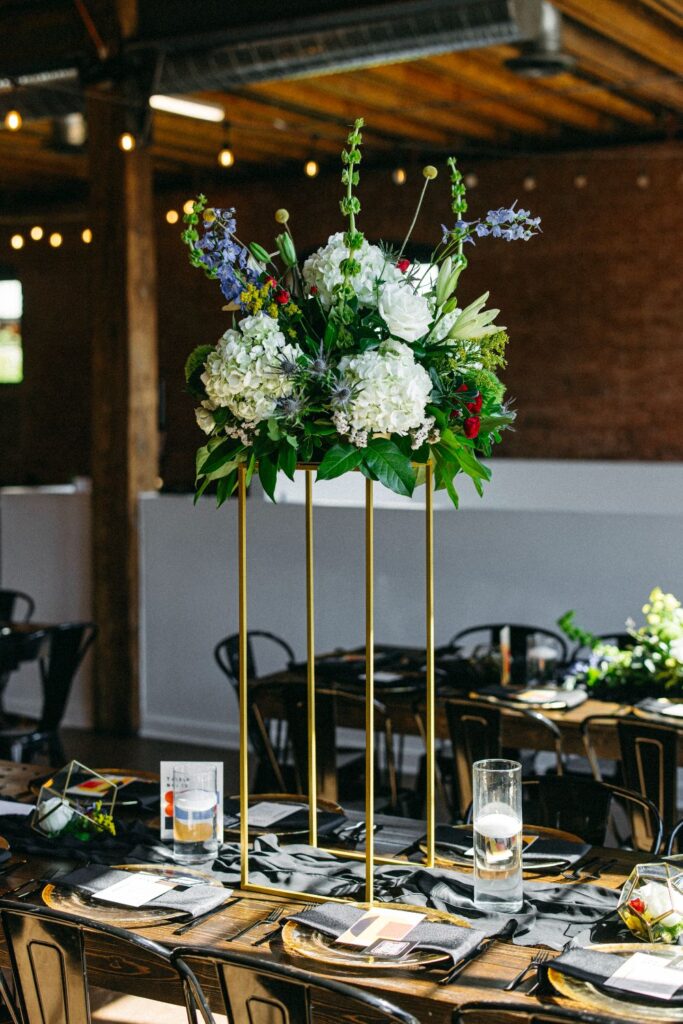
209	216
282	216
430	172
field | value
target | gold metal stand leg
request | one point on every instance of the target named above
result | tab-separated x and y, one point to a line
244	732
369	693
310	657
429	709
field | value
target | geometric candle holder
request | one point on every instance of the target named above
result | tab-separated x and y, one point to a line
651	903
77	801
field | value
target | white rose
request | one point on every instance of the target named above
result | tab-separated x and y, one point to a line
204	416
53	815
406	314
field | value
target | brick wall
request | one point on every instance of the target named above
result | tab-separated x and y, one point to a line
593	307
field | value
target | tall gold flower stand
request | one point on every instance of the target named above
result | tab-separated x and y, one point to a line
368	855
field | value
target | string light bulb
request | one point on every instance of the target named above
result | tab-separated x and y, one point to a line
36	233
643	180
529	183
226	157
471	180
17	241
86	236
172	216
399	176
56	239
580	181
311	168
127	142
13	120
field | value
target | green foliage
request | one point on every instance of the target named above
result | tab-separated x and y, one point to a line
389	465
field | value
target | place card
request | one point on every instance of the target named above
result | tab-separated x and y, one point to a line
380	923
10	807
166	794
99	786
135	891
648	975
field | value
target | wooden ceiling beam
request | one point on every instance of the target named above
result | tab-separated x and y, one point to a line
671	10
599	57
629	25
492	80
440	92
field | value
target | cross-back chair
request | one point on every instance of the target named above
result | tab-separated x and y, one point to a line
519	636
16	606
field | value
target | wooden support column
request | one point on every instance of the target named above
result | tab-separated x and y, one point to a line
124	390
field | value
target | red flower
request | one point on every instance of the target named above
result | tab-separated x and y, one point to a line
471	426
475	406
463	387
314	289
403	265
271	282
282	296
637	904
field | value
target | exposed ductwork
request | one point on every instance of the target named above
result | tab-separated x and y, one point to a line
333	37
541	56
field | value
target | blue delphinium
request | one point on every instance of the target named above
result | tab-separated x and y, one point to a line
223	256
506	222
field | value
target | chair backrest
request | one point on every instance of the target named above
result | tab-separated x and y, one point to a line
674	838
258	991
648	761
519	636
330	706
48	955
486	1012
9	599
69	643
227	653
624	641
475	729
585	807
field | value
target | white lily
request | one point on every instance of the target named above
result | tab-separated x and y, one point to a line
473	324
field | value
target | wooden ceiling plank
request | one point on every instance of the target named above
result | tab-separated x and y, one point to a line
625	23
504	85
605	59
671	10
441	92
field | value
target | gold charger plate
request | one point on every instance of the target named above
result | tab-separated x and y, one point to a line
314	945
590	997
74	902
276	828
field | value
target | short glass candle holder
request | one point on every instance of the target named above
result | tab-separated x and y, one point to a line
76	801
651	903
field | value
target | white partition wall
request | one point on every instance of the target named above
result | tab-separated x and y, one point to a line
547	537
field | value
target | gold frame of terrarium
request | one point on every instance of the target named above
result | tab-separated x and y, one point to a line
661	872
368	855
72	801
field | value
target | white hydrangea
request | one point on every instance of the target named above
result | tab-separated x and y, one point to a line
243	372
392	390
322	270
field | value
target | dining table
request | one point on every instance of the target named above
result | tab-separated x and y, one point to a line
125	969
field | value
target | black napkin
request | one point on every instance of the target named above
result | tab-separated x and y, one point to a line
596	967
451	939
542	850
297	821
193	900
102	848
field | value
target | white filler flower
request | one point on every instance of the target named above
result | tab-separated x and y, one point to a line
392	390
322	270
405	312
244	371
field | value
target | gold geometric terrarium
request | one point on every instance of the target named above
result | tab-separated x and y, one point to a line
76	801
651	903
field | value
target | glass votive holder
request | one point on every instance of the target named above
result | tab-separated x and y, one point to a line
497	834
195	814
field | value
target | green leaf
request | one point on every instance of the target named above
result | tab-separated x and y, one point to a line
222	453
445	473
472	466
287	460
496	421
340	459
273	430
390	466
267	473
202	487
196	359
225	487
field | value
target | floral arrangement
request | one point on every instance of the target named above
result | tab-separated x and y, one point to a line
652	667
356	358
57	818
651	905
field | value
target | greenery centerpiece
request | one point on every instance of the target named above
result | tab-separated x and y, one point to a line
355	358
651	667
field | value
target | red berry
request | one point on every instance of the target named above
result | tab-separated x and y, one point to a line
403	265
475	406
314	289
282	296
271	281
471	426
463	387
637	904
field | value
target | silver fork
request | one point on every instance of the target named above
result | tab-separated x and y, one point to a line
580	869
539	959
270	919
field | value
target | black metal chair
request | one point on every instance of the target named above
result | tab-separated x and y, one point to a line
21	738
254	989
9	600
50	964
268	738
648	760
489	1012
586	807
674	836
476	729
519	636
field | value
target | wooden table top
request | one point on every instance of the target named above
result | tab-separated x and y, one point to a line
114	967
